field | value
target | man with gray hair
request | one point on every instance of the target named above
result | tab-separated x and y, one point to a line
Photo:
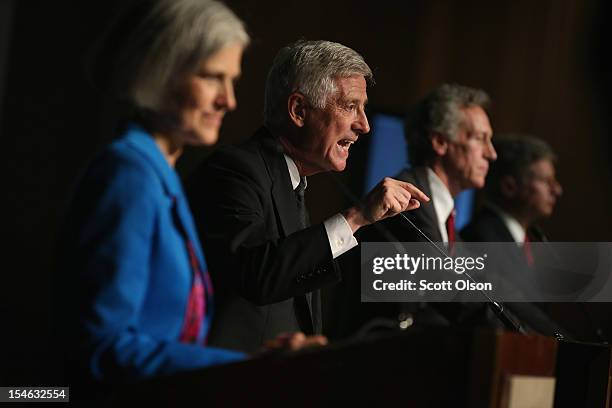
449	140
267	261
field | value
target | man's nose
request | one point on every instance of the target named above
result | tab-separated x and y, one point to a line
361	124
490	153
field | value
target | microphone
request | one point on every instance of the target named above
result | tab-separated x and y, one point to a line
496	307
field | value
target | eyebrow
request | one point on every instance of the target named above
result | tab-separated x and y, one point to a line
356	100
218	72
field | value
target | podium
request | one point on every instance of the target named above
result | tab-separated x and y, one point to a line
417	368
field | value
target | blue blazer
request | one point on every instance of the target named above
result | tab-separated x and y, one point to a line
125	253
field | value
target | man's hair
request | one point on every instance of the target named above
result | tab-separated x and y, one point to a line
439	112
155	41
515	153
308	67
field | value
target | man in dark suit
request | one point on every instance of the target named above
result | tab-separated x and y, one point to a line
248	201
521	190
449	138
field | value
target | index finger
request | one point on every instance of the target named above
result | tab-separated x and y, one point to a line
415	192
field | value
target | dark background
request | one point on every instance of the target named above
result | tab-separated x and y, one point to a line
533	57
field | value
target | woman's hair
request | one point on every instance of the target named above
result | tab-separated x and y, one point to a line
155	41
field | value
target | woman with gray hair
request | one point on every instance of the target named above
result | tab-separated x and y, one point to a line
140	303
141	299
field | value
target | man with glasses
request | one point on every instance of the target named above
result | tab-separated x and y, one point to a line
521	190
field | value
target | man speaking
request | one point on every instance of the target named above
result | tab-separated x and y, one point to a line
266	259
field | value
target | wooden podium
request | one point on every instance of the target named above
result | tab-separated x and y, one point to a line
417	368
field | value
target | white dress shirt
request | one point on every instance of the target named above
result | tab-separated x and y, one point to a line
339	233
443	201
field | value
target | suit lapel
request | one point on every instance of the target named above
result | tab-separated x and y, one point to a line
282	190
285	204
497	224
425	216
428	209
142	141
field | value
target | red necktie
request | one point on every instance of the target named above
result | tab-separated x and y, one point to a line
450	229
527	250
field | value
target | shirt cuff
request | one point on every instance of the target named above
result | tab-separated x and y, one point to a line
339	234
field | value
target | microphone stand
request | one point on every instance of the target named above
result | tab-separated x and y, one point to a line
496	307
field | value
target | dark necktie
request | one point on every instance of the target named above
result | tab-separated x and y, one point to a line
301	203
304	305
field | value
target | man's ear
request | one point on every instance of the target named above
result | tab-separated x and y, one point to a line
296	106
508	186
439	143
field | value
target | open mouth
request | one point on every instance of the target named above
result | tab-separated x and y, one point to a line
345	144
